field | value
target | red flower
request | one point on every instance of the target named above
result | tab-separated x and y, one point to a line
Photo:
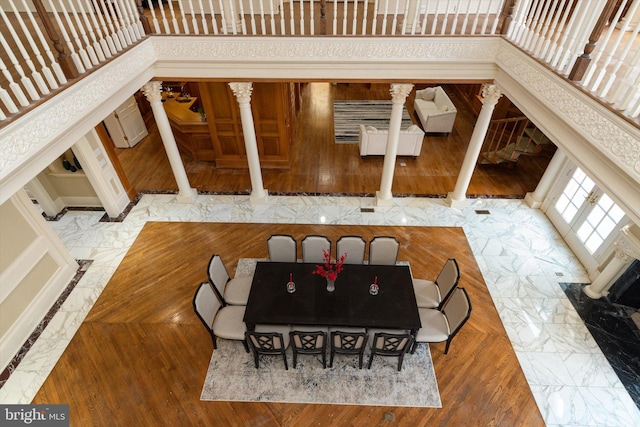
330	269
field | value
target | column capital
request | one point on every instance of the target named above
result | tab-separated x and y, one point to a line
242	91
153	90
627	245
400	91
491	94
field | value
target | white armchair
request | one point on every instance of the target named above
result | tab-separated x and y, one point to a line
435	110
373	142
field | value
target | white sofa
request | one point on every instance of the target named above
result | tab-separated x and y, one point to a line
435	110
373	142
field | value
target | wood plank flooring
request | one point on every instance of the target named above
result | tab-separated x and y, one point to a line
320	166
141	355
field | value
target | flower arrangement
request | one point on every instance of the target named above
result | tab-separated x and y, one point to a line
329	269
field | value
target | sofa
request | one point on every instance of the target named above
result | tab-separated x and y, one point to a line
435	110
373	141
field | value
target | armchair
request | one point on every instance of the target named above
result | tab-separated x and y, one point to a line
435	110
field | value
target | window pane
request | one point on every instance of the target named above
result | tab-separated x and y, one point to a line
584	231
593	243
569	213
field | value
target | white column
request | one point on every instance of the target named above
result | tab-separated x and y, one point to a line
152	90
627	247
242	92
101	173
399	93
490	94
535	199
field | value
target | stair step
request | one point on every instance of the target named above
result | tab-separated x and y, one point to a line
537	136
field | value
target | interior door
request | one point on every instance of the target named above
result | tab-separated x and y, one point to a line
131	121
587	218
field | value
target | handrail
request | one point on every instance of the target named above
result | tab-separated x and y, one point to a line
82	34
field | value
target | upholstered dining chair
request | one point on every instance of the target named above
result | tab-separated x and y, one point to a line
353	246
310	340
313	248
390	345
282	248
221	322
348	341
383	250
231	291
270	340
434	294
439	326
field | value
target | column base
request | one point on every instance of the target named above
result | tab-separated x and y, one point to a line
188	196
456	203
259	197
531	201
383	201
592	294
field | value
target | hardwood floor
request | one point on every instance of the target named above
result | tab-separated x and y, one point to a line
141	355
320	166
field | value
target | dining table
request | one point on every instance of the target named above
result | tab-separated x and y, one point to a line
351	304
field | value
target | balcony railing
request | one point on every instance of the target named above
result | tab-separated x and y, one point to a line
46	43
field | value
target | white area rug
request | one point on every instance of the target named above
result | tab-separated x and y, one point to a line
349	115
232	376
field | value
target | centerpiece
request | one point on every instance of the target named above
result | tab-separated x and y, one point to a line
330	269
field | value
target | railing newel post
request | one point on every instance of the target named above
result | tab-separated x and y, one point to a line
143	18
507	12
323	17
66	63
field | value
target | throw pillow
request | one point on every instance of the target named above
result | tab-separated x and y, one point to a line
428	94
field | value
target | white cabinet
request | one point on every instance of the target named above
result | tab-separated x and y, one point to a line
126	125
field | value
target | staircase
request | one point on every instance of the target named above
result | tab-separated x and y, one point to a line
508	139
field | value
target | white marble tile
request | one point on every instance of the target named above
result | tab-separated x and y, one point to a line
572	338
556	310
564	405
610	407
529	337
591	370
550	369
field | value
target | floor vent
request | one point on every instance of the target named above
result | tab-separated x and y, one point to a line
559	274
482	212
367	210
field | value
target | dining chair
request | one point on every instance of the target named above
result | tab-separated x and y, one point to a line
348	341
313	248
310	340
270	340
439	326
221	322
434	294
390	345
354	247
383	250
231	291
282	248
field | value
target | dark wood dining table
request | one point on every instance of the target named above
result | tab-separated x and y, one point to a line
351	304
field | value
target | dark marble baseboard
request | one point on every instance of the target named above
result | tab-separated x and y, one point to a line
615	333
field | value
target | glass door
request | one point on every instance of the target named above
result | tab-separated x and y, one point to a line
586	217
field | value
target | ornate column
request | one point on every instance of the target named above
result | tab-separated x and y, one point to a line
242	92
152	90
399	93
627	248
534	200
490	94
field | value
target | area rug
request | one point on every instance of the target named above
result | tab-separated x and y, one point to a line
232	376
349	115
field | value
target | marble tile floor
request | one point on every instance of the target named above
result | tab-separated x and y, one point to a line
519	252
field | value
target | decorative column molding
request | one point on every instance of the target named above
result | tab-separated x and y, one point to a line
152	90
399	93
535	199
491	95
627	248
242	92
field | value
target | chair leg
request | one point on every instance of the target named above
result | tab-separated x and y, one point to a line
295	358
284	356
400	359
370	361
255	359
446	349
324	360
246	346
361	356
331	358
215	342
414	346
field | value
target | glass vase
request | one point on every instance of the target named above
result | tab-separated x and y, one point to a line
331	285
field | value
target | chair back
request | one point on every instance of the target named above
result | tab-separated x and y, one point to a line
266	342
206	304
282	248
448	279
313	248
383	250
353	246
387	344
218	276
312	341
348	342
457	310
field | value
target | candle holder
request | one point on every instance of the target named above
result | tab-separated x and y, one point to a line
373	289
291	286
